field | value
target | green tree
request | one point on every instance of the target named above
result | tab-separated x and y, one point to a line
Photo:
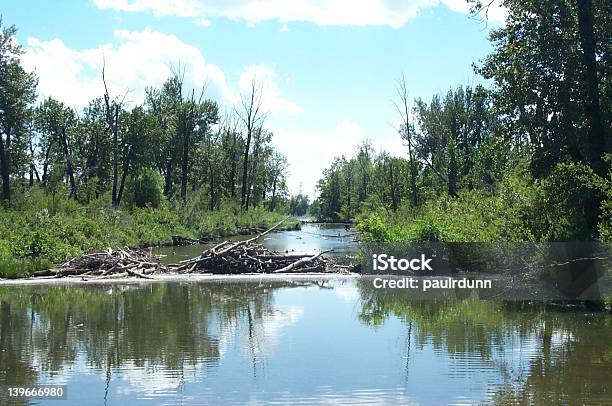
449	132
553	82
298	205
57	123
146	188
17	93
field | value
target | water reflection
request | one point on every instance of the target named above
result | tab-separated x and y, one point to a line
541	356
326	341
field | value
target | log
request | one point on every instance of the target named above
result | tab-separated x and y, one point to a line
70	272
303	261
47	272
134	273
250	240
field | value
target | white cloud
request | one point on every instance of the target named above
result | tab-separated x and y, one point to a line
137	60
181	8
309	153
204	22
322	12
272	100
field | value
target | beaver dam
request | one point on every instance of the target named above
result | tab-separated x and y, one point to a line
242	257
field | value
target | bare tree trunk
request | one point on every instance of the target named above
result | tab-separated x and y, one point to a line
252	119
404	111
273	201
5	167
245	172
233	158
596	140
69	167
168	179
187	128
45	174
114	129
185	166
126	167
393	187
33	170
253	171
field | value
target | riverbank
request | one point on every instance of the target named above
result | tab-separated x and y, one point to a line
40	233
184	278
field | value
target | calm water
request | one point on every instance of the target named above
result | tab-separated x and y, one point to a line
324	341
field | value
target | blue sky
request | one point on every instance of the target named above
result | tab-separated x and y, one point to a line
328	67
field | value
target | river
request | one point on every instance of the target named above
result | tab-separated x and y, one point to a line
326	339
310	239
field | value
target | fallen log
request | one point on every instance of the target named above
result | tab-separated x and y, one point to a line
140	275
301	262
250	240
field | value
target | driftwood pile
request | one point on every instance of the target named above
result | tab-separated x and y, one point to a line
109	264
250	257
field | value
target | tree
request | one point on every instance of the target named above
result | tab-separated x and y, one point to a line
136	137
113	107
407	133
588	43
93	148
298	205
17	93
277	167
231	144
182	126
146	188
553	82
252	118
57	122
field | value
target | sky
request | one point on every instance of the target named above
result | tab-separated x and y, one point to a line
328	68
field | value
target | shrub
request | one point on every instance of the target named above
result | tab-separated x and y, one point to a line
145	189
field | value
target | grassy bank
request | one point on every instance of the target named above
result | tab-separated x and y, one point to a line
42	230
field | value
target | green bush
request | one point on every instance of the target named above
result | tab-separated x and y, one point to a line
145	189
565	202
18	268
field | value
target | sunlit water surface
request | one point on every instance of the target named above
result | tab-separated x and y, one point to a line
283	342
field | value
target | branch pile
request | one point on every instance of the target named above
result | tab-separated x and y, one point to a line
249	257
109	264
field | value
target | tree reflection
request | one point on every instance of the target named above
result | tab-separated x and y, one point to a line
171	326
572	350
